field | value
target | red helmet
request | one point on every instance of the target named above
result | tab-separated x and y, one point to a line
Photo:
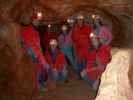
36	16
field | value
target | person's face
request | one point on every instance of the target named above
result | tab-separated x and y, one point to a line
95	42
71	22
80	22
102	41
53	44
49	28
64	29
97	23
53	47
36	22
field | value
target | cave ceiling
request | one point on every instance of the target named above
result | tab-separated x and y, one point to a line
53	10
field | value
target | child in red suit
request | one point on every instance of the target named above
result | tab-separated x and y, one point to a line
56	62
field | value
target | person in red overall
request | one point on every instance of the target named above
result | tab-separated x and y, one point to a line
31	44
81	42
98	58
48	36
56	61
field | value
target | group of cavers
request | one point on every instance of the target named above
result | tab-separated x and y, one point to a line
85	47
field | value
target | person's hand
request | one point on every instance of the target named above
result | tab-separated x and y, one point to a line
83	72
98	62
102	68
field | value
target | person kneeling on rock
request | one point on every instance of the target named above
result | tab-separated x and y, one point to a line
97	59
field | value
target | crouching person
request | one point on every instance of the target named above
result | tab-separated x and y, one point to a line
56	61
97	60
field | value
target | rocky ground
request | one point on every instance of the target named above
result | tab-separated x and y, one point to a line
72	90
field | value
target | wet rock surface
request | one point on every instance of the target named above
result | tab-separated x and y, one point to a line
115	83
74	89
16	69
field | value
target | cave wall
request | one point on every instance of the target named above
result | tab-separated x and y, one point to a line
16	70
59	10
115	83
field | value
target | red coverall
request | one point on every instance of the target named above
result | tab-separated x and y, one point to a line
59	63
30	38
103	56
81	40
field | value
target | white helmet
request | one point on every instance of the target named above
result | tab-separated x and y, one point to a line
70	20
64	27
80	17
49	25
93	16
53	42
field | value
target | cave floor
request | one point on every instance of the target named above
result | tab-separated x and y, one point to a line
72	90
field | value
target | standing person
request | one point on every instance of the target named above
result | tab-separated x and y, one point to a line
98	58
31	44
65	44
101	29
57	63
80	33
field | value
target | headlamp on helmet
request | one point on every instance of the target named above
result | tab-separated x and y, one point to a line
80	17
92	35
49	25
